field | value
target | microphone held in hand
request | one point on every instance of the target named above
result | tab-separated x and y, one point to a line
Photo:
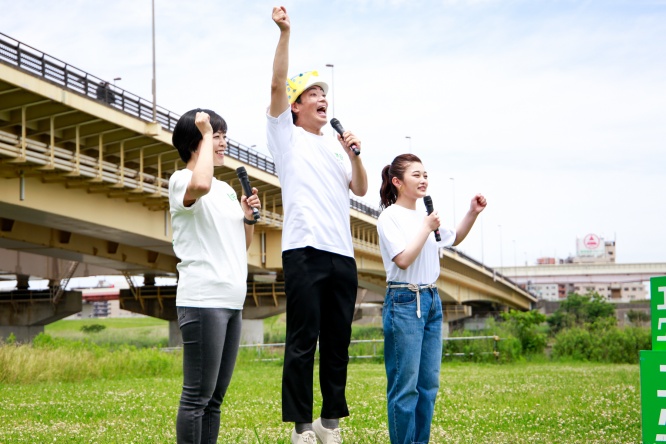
335	123
427	200
247	189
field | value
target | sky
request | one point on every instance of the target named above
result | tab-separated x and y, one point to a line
555	110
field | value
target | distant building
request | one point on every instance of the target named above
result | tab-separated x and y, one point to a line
594	249
614	292
590	249
101	302
546	261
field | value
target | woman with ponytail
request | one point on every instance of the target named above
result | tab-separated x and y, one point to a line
412	312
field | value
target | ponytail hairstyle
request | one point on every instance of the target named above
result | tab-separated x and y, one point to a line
388	193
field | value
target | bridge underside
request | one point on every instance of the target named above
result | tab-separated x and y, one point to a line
24	313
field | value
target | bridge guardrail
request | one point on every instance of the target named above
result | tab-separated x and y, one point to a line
35	62
375	342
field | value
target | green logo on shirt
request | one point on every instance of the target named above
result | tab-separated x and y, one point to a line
339	157
232	196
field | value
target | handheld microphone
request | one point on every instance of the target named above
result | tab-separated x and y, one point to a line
427	200
247	189
335	123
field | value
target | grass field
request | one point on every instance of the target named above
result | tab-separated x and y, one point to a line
537	402
139	331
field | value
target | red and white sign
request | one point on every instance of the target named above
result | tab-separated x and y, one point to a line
591	241
591	245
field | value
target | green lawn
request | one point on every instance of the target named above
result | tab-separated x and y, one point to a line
64	390
141	331
478	403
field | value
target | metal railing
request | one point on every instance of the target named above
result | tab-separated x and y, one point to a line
26	296
495	351
33	61
251	157
375	342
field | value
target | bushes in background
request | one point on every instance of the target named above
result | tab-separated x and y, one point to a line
602	342
585	328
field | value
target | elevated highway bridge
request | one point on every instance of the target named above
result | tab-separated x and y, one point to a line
84	191
579	273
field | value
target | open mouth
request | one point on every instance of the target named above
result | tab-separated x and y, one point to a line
321	111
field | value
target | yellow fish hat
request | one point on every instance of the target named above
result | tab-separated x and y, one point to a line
299	83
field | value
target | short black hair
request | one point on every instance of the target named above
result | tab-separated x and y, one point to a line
294	116
186	135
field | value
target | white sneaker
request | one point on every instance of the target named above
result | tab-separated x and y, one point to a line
326	436
307	437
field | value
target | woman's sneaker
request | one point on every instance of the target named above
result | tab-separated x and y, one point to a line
326	436
307	437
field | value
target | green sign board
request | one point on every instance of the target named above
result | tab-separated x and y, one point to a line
653	396
658	312
653	368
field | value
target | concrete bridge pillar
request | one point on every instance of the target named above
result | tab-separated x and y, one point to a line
25	313
445	329
252	331
22	333
175	338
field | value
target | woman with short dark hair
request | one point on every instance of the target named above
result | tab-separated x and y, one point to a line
211	234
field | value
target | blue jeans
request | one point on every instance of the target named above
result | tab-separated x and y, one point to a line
211	337
412	356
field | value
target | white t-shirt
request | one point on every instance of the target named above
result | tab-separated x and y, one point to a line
397	226
315	173
209	240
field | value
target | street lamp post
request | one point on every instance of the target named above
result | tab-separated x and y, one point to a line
481	222
410	143
330	65
154	76
500	238
453	185
515	263
116	78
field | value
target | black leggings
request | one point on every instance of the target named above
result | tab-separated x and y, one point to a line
211	337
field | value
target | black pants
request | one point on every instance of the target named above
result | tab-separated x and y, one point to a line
321	294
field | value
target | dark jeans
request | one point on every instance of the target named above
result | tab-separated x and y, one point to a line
321	294
211	337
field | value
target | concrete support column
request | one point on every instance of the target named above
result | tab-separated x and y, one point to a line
175	338
23	333
445	329
252	331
